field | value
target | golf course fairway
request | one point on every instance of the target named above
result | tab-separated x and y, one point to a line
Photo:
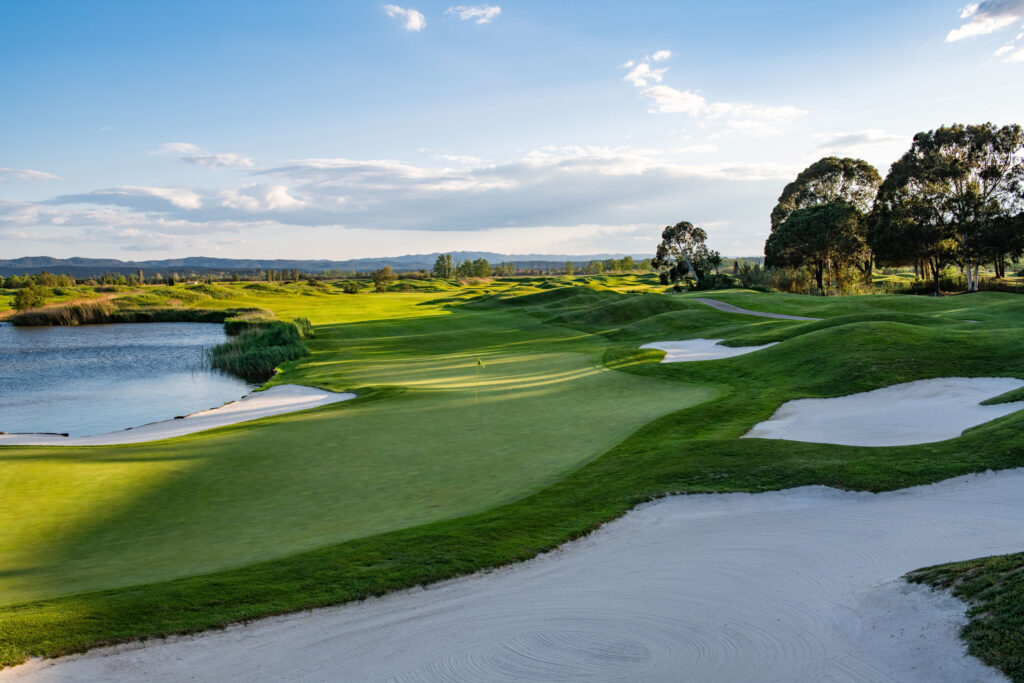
492	422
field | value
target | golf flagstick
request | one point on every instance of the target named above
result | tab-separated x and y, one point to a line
476	387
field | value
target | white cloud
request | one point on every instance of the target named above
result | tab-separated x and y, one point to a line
640	74
551	186
413	20
746	119
1004	50
481	14
1017	56
12	175
197	156
986	17
668	100
697	149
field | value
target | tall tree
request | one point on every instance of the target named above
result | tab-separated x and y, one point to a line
824	237
945	197
444	267
683	252
1004	238
828	180
383	278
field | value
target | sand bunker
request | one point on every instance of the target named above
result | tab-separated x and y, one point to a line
284	398
904	414
700	349
782	586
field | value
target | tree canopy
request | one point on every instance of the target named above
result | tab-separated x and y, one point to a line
950	197
383	278
821	237
828	180
444	267
683	253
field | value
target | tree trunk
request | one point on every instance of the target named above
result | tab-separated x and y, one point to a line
935	277
818	273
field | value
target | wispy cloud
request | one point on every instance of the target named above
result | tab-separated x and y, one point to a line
870	144
1016	56
550	186
481	14
13	175
193	154
988	16
410	18
731	118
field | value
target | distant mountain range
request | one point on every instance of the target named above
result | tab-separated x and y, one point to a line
85	267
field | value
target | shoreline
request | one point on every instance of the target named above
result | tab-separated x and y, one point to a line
277	400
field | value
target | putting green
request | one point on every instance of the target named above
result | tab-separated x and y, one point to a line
442	445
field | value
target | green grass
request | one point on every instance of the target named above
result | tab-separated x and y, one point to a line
994	589
431	450
419	479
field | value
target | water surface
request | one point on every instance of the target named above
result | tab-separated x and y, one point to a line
94	379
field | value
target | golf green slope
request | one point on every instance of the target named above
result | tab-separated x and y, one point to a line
433	436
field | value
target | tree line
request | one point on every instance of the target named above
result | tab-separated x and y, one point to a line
955	198
447	268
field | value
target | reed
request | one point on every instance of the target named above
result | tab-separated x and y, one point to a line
104	312
255	353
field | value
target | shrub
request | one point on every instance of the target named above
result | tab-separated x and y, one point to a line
383	278
753	276
350	287
32	296
715	281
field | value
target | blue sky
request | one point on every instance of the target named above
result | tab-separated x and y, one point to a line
349	129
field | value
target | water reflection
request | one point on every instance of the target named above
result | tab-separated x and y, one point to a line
94	379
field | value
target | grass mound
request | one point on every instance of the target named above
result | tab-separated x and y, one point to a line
213	291
622	311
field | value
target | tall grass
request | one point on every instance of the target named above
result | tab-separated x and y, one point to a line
258	348
104	312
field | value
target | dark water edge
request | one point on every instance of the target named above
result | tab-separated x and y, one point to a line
93	379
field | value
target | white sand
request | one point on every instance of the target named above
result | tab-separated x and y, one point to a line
916	412
729	308
284	398
700	349
783	586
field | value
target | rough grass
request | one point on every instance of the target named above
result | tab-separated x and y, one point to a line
994	589
417	480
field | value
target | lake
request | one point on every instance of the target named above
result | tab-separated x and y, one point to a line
94	379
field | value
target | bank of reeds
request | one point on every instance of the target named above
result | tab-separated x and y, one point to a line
104	312
259	346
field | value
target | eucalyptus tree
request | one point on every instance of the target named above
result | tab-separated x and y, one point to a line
683	252
823	237
945	199
826	181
